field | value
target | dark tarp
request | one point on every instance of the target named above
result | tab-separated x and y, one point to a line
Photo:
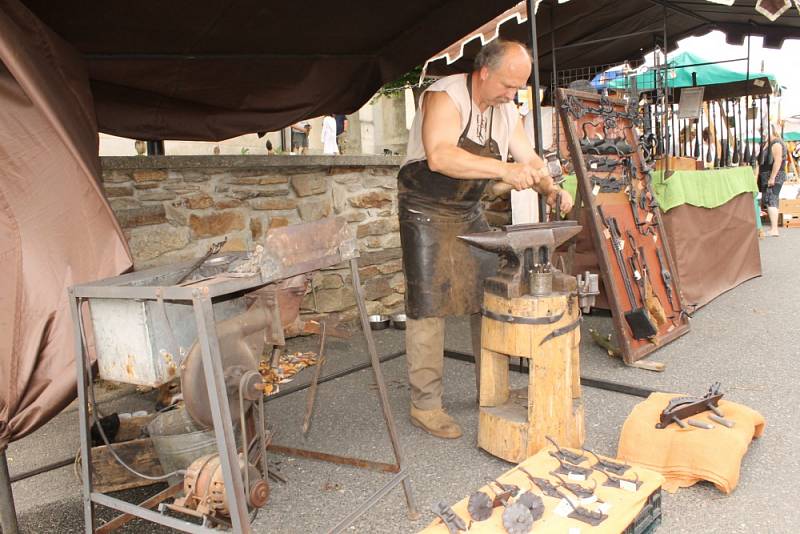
586	20
210	70
56	229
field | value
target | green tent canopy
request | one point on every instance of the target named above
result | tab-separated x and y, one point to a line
787	136
682	77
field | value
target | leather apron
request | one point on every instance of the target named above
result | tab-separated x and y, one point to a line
444	275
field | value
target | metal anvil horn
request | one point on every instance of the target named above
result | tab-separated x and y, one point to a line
524	249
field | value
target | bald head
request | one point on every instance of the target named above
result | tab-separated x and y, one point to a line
501	68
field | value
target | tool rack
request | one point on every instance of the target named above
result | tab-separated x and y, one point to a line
201	297
623	192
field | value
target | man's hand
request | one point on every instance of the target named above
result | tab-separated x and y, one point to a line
520	176
566	200
771	181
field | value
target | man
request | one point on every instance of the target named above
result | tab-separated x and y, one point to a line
342	125
300	131
457	147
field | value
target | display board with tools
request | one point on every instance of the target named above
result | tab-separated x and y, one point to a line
615	184
559	489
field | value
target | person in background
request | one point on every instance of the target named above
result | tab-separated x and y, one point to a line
342	125
300	131
329	145
268	145
771	175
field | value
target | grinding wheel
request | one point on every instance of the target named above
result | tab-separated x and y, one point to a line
517	519
532	502
237	359
480	506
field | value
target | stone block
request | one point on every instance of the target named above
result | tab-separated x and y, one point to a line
327	280
340	195
378	227
365	273
379	256
235	244
176	214
118	191
124	203
398	283
373	241
228	203
394	303
217	223
305	185
142	216
116	176
146	244
355	216
383	171
149	175
377	287
391	241
384	182
148	185
257	192
197	201
313	209
256	228
156	195
278	222
194	176
180	188
332	300
273	203
373	199
393	266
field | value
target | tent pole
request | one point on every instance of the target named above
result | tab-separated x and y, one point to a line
8	514
554	77
537	105
666	91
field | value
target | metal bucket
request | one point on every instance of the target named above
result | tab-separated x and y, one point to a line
178	440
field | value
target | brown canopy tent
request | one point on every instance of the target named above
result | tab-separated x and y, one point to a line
199	70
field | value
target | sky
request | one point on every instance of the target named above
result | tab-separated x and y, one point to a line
784	64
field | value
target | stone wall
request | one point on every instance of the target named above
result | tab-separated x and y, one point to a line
172	208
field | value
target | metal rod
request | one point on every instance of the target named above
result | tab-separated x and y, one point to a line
537	105
43	469
334	376
83	416
607	385
149	515
604	39
402	476
153	501
666	79
335	458
220	410
554	75
383	395
8	512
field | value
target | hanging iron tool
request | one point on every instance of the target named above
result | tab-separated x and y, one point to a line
635	208
666	277
652	302
640	324
747	153
698	132
739	132
724	136
707	132
761	130
713	126
635	268
737	148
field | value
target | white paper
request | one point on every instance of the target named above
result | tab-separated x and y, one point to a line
595	190
563	509
576	476
589	500
604	508
627	486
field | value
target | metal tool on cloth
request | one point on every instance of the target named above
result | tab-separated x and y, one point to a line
640	324
680	408
517	519
452	520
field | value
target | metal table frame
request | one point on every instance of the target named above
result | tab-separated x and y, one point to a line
202	295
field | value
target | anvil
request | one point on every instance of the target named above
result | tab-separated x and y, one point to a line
522	247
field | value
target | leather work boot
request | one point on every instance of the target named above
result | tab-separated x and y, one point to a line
436	422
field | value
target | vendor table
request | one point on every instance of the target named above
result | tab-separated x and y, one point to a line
710	220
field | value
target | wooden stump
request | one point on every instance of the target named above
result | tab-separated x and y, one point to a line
513	425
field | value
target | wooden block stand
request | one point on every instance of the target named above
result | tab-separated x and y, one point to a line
512	425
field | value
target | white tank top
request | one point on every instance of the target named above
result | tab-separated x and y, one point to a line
503	123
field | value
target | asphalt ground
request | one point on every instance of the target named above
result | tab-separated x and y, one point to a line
746	339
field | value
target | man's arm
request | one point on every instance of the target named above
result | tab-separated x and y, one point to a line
777	159
521	149
441	128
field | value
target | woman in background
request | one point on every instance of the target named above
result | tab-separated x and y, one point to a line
329	145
